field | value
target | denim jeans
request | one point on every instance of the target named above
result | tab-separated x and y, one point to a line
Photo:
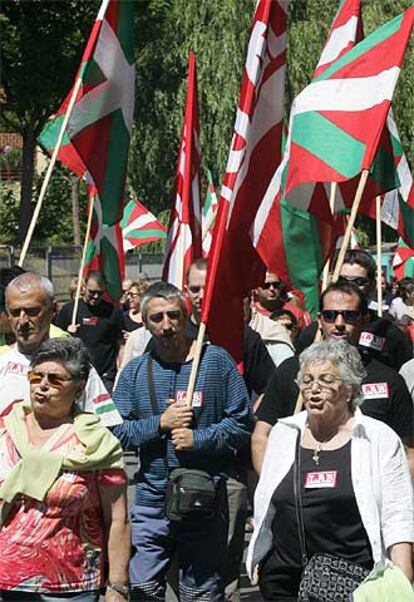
19	596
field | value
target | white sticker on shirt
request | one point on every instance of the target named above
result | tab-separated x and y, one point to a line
16	368
375	391
373	341
180	397
324	479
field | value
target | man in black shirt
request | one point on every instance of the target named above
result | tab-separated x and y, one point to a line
343	312
98	324
380	338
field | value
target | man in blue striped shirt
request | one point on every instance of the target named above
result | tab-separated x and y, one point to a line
204	437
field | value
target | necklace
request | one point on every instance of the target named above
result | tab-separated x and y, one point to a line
316	453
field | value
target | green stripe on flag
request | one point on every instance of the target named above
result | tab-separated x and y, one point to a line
128	209
376	37
92	74
111	268
303	253
407	216
50	133
146	233
114	180
383	170
328	142
105	409
125	28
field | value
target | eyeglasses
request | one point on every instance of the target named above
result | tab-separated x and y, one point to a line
349	315
133	295
195	289
54	380
277	284
324	381
358	280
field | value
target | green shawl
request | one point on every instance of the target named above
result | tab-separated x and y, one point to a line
39	468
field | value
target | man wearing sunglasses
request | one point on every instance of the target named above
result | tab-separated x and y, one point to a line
272	296
98	324
380	337
30	305
343	315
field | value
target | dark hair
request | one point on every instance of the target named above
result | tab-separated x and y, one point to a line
199	264
405	287
362	258
163	290
70	352
278	313
347	289
99	278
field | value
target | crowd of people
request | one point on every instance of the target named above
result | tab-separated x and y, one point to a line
314	439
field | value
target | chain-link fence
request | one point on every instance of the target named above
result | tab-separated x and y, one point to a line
61	264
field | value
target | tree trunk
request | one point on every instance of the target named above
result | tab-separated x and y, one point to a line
29	144
74	185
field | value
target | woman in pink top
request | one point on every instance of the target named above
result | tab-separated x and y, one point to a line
62	490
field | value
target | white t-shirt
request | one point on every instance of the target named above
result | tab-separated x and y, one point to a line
407	372
14	386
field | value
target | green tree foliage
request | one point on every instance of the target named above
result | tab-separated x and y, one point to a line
43	40
42	43
217	31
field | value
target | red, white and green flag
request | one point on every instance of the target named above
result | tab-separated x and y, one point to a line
337	121
140	226
184	233
292	242
104	250
397	209
403	262
98	132
234	267
209	214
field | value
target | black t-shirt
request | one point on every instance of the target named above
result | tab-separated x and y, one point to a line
128	323
331	518
386	396
100	329
258	365
381	339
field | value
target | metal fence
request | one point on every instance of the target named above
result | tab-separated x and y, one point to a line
61	264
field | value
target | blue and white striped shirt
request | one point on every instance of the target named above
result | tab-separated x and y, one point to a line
223	418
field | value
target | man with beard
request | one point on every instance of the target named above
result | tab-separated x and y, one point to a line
150	395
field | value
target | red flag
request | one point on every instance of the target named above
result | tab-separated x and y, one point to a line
184	234
234	267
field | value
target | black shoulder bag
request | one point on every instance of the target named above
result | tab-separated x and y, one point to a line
191	494
326	577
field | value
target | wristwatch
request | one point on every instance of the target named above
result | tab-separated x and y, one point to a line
123	590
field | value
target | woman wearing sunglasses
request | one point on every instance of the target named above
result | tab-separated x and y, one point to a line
62	490
335	493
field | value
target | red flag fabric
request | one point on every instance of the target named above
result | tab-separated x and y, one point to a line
234	267
184	234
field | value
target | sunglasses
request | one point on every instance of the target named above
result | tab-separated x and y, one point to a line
195	289
276	285
54	380
358	281
349	315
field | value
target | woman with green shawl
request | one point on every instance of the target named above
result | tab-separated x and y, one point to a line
62	490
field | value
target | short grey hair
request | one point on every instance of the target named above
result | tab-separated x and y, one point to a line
31	280
69	352
163	290
345	357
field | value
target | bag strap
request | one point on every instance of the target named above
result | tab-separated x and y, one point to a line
154	404
298	503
